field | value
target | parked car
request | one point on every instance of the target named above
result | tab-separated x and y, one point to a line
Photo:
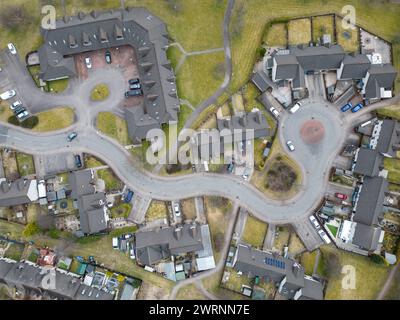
72	136
176	209
134	93
324	236
12	49
88	62
108	57
274	112
135	86
346	107
314	221
290	145
357	107
15	105
230	168
340	196
245	176
295	107
78	161
128	196
19	109
23	115
8	94
134	80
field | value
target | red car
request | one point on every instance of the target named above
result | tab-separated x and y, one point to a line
340	196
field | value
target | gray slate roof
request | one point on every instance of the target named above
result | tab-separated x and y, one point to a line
91	213
154	246
370	203
252	262
15	193
26	275
319	58
380	76
366	237
260	80
99	30
287	66
368	162
355	66
388	137
81	183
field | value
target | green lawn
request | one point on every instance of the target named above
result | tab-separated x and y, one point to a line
183	116
25	164
393	166
307	260
55	119
370	277
157	210
121	210
323	25
347	38
391	112
254	232
299	31
14	251
332	229
57	86
111	181
276	35
92	162
100	92
113	126
174	55
200	76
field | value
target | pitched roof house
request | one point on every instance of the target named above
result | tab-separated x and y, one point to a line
293	283
378	80
353	67
21	191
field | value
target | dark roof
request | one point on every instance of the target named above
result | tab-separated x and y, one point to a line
20	191
139	123
81	183
368	162
135	27
379	76
370	202
156	245
31	276
355	66
92	213
366	237
319	58
287	66
5	267
252	262
312	290
388	137
260	80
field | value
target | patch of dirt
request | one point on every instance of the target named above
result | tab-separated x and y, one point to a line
312	131
151	292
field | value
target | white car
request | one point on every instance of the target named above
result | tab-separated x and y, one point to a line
245	176
15	105
12	49
7	95
295	107
324	236
274	112
177	210
314	222
88	62
290	145
22	115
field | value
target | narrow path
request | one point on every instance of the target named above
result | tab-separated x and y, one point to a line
194	53
221	263
207	294
316	263
388	283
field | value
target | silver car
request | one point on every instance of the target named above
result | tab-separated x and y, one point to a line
290	145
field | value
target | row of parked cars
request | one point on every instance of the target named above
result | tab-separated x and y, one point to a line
349	106
19	110
135	88
320	230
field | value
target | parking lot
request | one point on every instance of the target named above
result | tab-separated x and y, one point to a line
123	58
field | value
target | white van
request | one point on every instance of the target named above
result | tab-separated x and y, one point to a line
295	107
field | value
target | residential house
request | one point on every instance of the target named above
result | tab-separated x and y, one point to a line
21	191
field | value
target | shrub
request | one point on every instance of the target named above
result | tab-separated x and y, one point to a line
261	52
29	123
378	259
31	229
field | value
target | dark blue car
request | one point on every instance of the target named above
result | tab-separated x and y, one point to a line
346	107
357	107
128	196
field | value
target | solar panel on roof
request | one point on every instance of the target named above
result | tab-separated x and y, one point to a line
275	263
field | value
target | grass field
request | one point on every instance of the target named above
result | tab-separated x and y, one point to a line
200	76
14	251
55	119
57	86
183	115
100	92
380	17
299	31
254	232
25	164
393	166
347	38
370	277
121	210
391	112
113	126
92	162
276	35
157	210
111	181
323	25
